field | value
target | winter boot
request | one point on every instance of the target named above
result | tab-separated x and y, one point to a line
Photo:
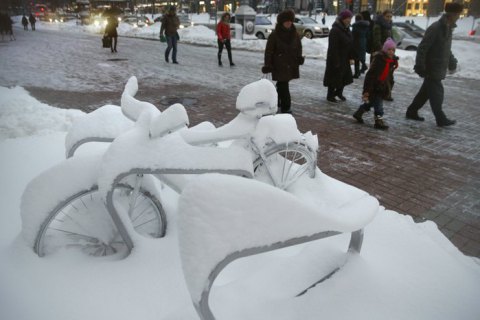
358	114
356	75
379	123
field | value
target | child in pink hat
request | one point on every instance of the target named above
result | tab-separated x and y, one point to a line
376	84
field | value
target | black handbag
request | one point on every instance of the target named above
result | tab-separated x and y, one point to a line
106	41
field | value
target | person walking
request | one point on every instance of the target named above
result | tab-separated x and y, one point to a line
375	86
382	30
360	31
3	24
223	38
434	57
111	31
367	17
7	26
338	72
25	23
283	57
32	20
170	25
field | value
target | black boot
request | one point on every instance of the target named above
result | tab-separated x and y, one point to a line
331	95
358	114
412	115
356	75
379	123
446	123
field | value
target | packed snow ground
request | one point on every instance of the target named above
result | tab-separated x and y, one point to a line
405	271
313	48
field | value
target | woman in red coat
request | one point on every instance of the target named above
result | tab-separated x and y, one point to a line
223	34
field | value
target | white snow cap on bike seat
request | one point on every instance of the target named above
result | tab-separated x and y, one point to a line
172	119
258	98
131	107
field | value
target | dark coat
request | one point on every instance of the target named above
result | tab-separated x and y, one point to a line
338	72
283	53
24	21
170	24
360	30
381	31
32	19
372	84
434	53
111	28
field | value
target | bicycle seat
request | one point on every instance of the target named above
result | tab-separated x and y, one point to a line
258	99
172	119
131	107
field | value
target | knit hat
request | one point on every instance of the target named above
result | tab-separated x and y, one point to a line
286	15
345	14
453	7
389	44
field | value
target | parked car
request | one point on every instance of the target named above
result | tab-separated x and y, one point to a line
310	28
263	26
184	20
409	28
137	21
406	41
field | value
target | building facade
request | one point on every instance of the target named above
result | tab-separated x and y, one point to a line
399	7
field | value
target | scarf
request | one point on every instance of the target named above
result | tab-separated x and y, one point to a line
386	69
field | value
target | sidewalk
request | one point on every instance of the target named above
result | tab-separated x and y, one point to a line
415	168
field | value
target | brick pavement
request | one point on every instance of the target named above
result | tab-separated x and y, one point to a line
415	168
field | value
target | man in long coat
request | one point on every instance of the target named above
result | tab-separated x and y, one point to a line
434	56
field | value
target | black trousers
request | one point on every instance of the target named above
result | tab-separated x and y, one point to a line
334	91
284	99
431	90
227	45
113	46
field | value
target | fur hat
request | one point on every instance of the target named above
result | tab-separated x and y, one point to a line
389	44
286	15
345	14
453	7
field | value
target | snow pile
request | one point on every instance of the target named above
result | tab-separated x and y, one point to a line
213	223
405	270
42	119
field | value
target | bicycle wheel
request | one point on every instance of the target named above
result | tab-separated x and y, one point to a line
83	222
285	163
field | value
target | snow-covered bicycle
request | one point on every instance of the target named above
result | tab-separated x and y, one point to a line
74	203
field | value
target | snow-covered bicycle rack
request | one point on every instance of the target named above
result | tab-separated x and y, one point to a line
212	239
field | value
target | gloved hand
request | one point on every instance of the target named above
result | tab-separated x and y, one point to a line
420	70
365	97
267	69
301	60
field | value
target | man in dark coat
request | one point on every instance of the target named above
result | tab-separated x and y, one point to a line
283	56
338	73
382	30
111	31
170	25
434	56
32	20
360	31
